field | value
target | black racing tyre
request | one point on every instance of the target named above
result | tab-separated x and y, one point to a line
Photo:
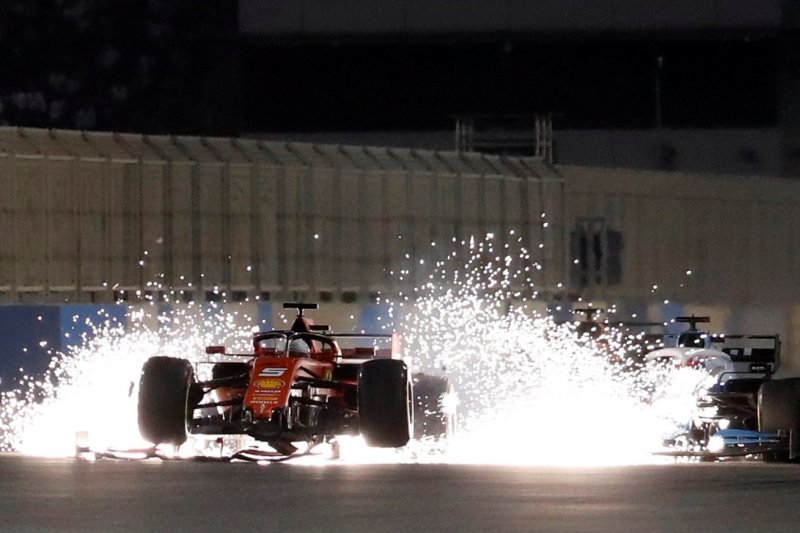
778	409
430	417
384	403
164	398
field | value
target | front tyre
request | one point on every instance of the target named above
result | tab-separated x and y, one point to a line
384	403
778	409
164	400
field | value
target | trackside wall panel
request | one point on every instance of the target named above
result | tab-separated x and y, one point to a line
267	228
93	226
118	239
286	231
91	217
210	231
400	224
31	232
62	224
351	255
735	235
420	211
240	224
7	233
181	201
449	209
495	203
552	228
321	220
374	231
150	252
473	205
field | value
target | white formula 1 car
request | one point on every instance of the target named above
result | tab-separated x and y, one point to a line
737	415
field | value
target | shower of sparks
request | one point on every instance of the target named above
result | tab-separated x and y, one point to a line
529	390
93	386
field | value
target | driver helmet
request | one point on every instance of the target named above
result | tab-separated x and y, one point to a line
691	339
298	348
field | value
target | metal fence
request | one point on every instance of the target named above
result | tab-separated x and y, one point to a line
95	216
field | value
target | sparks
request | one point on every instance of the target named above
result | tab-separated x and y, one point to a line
528	389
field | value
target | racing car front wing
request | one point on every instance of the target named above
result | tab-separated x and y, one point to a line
742	442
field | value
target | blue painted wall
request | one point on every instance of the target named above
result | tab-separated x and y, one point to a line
375	318
29	334
79	320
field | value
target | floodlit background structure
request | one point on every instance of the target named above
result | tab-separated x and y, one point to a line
301	149
93	217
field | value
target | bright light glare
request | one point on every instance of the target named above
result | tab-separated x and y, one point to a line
528	390
716	444
531	392
93	388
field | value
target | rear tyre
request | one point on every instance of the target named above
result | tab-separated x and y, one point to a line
164	400
384	403
778	409
432	417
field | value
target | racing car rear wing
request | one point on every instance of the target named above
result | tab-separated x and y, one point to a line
374	350
393	351
754	350
744	350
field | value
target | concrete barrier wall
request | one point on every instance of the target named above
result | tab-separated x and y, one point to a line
89	217
736	235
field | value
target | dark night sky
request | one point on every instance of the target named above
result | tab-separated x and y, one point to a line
587	84
170	67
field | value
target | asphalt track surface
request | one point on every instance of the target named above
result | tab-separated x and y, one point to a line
69	495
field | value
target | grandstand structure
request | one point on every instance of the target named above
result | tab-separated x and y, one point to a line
93	217
103	217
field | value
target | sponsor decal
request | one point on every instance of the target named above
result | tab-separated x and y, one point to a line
261	398
272	372
269	384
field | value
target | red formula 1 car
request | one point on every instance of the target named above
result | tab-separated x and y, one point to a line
297	385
